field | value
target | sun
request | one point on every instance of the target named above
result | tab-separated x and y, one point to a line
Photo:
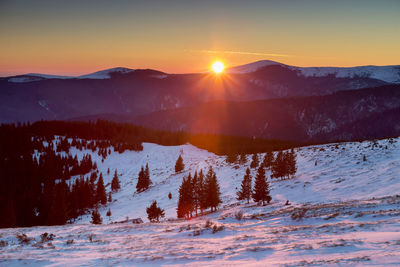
218	66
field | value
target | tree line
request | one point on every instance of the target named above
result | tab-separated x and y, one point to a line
283	165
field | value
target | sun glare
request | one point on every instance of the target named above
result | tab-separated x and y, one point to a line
218	67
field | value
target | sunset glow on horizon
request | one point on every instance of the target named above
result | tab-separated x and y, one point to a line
75	38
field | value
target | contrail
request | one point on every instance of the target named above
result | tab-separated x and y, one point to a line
237	52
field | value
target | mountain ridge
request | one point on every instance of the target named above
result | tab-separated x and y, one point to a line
387	73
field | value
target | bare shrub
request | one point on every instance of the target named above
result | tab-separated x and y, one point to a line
196	232
45	237
239	215
208	224
23	239
298	214
216	228
91	237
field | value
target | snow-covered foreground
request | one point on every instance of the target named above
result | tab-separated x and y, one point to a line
350	206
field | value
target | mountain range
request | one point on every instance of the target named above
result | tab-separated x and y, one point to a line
262	99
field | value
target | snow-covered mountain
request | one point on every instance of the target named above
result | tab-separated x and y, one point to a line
105	74
124	94
347	194
389	74
254	66
102	74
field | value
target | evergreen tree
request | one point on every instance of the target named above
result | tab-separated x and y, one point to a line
179	166
268	160
286	165
261	187
278	167
109	197
101	195
58	211
96	218
185	201
144	181
254	161
195	199
8	213
169	195
245	192
140	182
201	192
292	163
212	190
147	176
115	186
232	157
108	213
154	213
242	158
147	181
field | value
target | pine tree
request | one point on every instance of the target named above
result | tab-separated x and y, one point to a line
278	167
109	197
101	195
232	157
242	158
147	181
254	161
58	211
268	159
292	163
201	192
194	192
185	201
144	181
212	190
154	213
108	213
8	219
245	192
96	218
179	166
115	186
140	182
261	187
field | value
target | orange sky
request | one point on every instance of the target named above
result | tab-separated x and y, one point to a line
78	37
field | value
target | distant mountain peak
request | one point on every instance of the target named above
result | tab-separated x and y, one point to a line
389	74
105	74
252	67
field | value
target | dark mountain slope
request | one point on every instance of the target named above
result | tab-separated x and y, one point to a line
345	115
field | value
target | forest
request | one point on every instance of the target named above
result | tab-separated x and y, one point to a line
36	167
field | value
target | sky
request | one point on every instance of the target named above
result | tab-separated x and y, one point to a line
79	37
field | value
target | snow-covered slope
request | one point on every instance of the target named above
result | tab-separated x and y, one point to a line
105	74
340	174
31	77
252	67
390	74
350	208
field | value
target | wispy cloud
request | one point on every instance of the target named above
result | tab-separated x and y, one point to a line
237	52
